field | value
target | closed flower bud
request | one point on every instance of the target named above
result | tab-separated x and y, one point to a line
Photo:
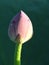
20	28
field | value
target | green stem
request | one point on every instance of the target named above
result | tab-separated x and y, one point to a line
17	55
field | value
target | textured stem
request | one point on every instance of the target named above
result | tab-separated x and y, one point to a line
17	55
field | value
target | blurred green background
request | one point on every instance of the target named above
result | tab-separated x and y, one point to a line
36	50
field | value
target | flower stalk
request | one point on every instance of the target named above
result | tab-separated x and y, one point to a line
17	54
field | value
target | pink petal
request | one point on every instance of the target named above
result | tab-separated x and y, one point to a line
20	25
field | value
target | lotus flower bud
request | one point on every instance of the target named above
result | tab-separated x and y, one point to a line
20	28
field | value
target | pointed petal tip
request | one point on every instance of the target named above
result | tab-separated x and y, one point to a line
21	11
